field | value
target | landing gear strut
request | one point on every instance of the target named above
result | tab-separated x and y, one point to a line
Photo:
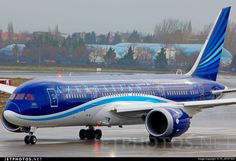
90	134
154	139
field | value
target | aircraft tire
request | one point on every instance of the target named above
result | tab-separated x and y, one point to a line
98	134
157	140
168	140
33	139
27	139
82	134
90	134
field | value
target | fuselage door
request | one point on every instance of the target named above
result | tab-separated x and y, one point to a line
201	92
53	97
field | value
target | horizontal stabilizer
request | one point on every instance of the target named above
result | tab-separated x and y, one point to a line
223	91
7	89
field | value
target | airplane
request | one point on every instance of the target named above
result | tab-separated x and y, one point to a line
165	103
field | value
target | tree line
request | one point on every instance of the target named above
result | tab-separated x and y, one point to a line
49	48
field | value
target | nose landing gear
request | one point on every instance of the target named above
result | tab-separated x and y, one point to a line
90	134
31	139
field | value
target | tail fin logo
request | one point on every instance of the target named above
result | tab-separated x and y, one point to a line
208	62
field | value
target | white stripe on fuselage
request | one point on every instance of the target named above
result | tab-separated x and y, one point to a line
81	118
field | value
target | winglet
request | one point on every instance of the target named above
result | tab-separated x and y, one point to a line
208	61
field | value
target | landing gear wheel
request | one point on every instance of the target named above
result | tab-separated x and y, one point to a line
154	139
160	140
27	139
30	139
90	134
82	134
33	139
98	134
168	140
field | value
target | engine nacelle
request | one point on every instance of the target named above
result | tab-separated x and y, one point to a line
13	128
167	122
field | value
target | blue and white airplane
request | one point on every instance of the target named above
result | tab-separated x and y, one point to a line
164	103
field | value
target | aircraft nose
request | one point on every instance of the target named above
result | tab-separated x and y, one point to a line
9	118
13	107
10	110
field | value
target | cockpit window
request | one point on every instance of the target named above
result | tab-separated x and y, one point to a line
19	97
12	96
29	97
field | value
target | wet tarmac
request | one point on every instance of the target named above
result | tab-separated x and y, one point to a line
212	134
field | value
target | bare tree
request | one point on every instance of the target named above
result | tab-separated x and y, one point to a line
143	56
15	51
230	40
173	31
134	37
10	32
1	41
202	35
97	56
56	32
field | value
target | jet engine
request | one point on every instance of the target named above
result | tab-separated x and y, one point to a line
167	122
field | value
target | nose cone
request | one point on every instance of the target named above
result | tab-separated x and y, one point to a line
9	117
10	112
12	107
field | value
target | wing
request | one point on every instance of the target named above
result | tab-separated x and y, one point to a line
191	107
7	88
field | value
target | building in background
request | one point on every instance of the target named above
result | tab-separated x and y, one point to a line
188	49
9	49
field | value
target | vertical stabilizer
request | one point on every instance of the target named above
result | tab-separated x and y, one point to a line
208	61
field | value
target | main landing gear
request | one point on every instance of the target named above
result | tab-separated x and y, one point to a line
154	140
90	134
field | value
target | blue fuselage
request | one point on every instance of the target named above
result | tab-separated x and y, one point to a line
53	95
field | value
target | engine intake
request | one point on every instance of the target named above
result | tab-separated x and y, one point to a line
167	122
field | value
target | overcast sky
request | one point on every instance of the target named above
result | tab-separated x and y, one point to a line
102	16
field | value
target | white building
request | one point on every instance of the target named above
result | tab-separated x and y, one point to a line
170	55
